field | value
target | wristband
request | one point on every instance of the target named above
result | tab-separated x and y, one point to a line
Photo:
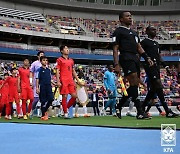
30	79
145	56
116	64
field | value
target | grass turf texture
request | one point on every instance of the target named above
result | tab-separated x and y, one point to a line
109	121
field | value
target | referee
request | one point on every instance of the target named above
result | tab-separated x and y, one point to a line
127	42
151	47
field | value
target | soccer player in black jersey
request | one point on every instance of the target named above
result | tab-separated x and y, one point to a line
151	47
127	42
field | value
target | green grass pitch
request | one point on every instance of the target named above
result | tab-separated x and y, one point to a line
130	122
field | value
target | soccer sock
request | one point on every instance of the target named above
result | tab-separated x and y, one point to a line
131	105
158	107
8	105
108	104
38	112
71	102
34	103
24	106
148	107
122	102
64	104
30	106
162	100
85	109
113	105
18	108
149	96
1	107
76	108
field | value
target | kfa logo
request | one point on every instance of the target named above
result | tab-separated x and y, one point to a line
168	137
168	134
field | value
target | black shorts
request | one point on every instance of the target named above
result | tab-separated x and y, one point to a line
153	72
130	64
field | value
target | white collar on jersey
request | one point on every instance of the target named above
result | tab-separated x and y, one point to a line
150	39
125	27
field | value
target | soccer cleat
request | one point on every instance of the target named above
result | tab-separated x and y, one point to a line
144	116
66	116
19	116
25	117
118	113
86	116
14	115
149	114
103	112
163	113
9	118
114	115
6	117
45	118
172	115
76	115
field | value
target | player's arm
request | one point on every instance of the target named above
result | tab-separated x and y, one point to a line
115	58
76	77
31	75
37	82
144	55
58	77
19	84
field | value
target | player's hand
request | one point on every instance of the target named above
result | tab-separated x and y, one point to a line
37	90
150	62
117	70
59	84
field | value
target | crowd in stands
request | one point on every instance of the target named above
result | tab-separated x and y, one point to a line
24	26
99	28
65	25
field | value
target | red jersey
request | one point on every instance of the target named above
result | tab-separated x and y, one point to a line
66	67
5	88
24	76
12	82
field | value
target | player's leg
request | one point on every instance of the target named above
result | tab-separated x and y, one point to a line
31	98
76	110
72	91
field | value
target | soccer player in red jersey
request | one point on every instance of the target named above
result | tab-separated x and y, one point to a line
13	93
65	73
24	88
4	94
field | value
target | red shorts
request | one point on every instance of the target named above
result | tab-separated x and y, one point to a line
14	96
4	99
67	88
27	93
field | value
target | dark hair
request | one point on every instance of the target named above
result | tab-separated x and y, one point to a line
148	28
62	47
12	70
42	57
39	52
121	14
6	74
25	58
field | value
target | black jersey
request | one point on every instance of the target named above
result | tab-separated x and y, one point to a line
151	47
127	39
